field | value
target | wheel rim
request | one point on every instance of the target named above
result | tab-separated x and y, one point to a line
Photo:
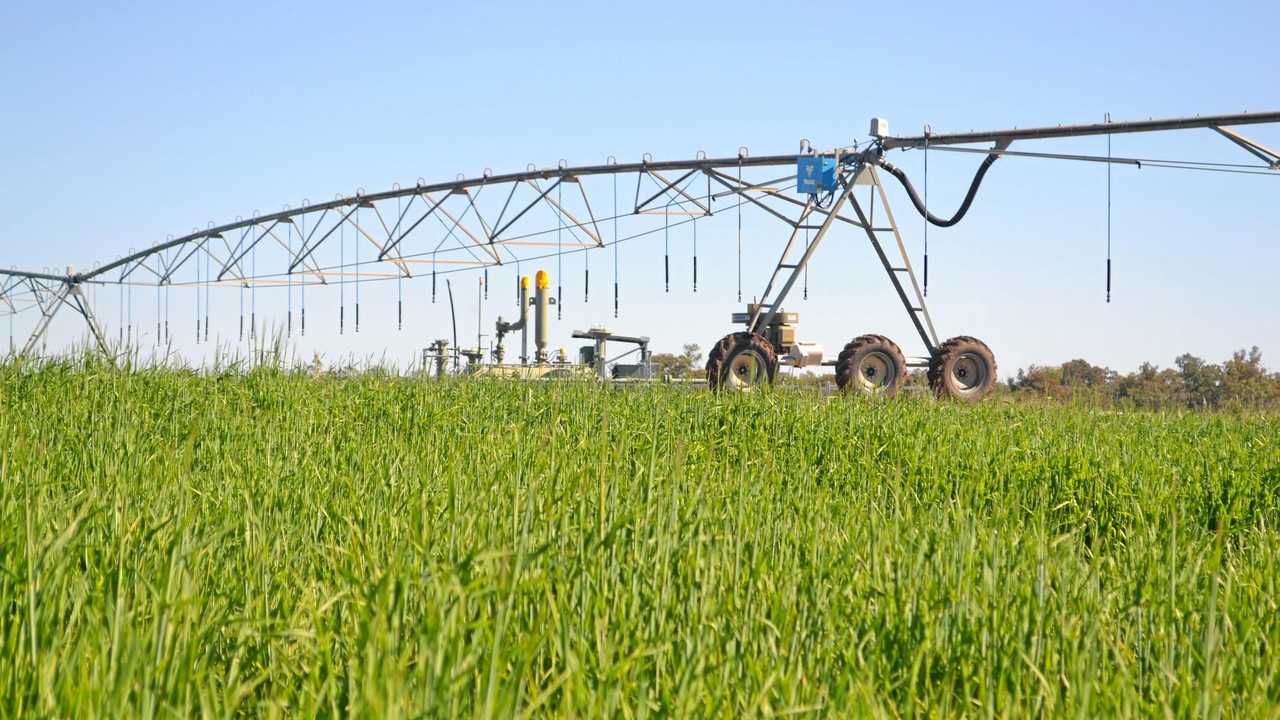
877	372
746	370
969	373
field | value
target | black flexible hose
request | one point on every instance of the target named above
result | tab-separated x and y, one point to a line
964	206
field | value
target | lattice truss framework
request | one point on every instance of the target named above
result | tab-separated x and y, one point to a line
426	230
415	231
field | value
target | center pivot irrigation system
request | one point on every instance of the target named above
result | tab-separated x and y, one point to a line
547	215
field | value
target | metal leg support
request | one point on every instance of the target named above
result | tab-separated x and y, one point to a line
86	311
72	296
48	309
916	309
768	308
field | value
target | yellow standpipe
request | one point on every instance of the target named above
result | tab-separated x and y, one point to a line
524	319
542	315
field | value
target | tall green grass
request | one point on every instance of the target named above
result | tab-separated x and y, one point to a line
177	545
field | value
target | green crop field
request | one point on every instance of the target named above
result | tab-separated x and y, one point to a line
178	545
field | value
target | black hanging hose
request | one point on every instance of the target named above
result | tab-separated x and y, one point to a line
964	206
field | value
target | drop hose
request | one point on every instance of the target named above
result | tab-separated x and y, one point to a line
915	198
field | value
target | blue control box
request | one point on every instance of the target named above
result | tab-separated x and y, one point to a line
815	174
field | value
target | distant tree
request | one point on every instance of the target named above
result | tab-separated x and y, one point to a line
1079	373
694	353
1245	382
1150	387
1040	381
1201	381
687	364
1088	382
671	364
1076	379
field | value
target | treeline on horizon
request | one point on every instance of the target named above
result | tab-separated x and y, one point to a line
1240	382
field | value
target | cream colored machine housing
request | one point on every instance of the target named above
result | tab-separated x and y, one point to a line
781	334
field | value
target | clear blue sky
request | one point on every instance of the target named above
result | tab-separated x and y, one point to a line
121	123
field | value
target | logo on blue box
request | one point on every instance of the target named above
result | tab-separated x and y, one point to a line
815	174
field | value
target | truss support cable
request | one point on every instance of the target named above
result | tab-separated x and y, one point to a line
1221	167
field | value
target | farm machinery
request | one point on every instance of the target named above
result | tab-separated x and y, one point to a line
962	367
491	222
593	361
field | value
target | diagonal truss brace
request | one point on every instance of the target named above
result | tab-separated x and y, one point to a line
573	220
1258	150
764	314
435	205
47	312
665	188
769	306
744	190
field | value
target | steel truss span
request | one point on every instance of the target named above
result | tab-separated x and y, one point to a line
492	220
484	221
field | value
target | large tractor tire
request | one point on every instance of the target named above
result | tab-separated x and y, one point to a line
964	369
741	361
871	365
